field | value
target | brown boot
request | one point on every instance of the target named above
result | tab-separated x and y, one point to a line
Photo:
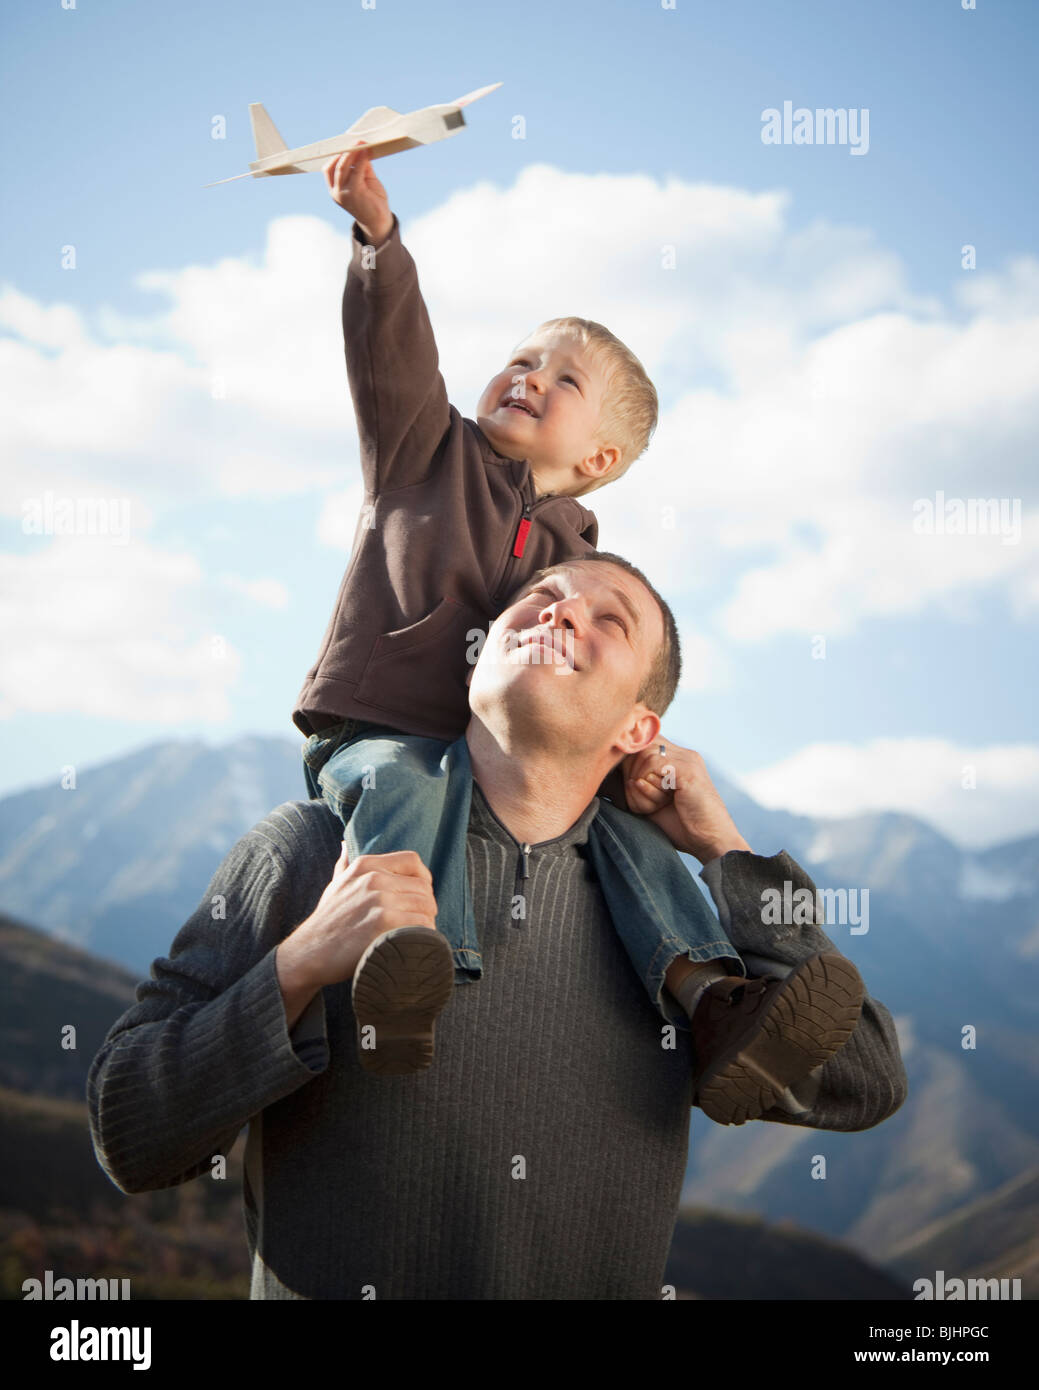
400	986
754	1038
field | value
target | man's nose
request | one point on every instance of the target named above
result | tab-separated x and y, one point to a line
562	612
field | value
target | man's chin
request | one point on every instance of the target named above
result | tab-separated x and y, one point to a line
525	696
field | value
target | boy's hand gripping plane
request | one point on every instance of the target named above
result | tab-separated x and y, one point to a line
381	130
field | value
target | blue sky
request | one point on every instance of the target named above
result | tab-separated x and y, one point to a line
823	359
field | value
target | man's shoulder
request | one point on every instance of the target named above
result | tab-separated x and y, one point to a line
298	833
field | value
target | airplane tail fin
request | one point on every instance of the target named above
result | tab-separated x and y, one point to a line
265	132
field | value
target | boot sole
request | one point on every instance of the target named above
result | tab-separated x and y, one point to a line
806	1023
401	984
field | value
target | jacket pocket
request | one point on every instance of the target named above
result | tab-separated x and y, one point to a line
421	670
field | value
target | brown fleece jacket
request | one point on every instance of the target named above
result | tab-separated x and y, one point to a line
440	545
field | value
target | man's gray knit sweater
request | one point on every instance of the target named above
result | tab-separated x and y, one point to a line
542	1154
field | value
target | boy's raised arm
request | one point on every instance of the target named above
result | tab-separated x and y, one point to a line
399	395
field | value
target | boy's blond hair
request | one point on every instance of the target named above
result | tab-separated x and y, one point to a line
629	413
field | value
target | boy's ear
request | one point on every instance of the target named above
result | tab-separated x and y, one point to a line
598	465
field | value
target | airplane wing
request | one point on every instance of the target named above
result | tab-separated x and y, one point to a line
475	96
372	119
230	180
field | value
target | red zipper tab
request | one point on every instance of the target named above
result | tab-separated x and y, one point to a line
522	532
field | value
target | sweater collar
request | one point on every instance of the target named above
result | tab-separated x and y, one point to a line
488	827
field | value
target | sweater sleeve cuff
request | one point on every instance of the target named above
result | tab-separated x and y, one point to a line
711	873
307	1041
242	1048
379	267
168	1094
750	892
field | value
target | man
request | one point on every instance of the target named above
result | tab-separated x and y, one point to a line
542	1156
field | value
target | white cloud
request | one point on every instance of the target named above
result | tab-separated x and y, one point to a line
1010	295
839	443
704	663
269	327
339	517
55	326
269	593
115	631
1024	593
922	776
875	565
235	386
739	271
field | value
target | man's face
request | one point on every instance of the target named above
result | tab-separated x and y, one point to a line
566	660
546	404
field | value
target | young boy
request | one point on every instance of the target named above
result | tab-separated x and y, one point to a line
457	516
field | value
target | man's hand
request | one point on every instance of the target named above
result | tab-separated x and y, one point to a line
362	900
673	790
355	188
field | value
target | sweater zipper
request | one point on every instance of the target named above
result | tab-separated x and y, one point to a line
522	873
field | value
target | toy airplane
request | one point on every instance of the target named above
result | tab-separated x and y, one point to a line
382	130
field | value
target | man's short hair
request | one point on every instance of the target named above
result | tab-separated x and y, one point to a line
629	411
661	681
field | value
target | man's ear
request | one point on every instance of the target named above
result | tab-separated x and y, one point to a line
642	729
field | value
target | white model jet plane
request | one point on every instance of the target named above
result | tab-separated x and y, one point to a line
383	131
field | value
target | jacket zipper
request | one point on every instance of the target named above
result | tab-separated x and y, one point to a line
522	531
519	541
519	544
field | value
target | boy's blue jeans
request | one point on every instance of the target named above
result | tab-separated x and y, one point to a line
395	791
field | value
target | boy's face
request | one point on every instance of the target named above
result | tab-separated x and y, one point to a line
546	404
